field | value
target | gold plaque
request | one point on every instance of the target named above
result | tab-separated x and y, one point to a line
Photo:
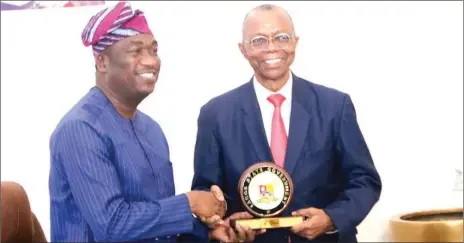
266	190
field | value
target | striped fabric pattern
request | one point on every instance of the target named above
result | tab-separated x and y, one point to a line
111	179
113	24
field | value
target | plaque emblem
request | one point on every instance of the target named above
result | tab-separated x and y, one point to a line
265	189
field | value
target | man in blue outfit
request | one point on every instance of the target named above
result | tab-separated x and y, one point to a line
111	178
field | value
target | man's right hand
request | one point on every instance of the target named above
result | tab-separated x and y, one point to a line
206	204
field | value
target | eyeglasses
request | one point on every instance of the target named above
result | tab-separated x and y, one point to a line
261	43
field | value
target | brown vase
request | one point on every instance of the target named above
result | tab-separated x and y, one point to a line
445	225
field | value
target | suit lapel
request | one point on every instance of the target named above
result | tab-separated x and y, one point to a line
299	122
254	123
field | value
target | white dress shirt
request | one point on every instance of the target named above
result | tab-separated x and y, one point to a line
267	108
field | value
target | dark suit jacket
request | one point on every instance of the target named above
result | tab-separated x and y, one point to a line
327	156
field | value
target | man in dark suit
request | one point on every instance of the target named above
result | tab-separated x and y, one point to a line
308	129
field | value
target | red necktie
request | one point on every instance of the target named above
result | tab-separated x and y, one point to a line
278	134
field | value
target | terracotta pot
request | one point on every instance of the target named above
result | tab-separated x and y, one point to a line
444	225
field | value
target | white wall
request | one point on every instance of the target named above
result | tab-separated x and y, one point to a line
402	62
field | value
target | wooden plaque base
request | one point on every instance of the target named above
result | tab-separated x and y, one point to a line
266	223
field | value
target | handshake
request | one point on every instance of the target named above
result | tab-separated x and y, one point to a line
210	207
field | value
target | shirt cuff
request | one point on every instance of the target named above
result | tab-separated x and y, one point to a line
175	214
331	232
335	230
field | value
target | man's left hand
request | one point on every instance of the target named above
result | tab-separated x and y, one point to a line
317	223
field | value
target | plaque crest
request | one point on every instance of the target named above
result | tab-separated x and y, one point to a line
265	189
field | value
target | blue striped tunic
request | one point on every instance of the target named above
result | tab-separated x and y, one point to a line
111	178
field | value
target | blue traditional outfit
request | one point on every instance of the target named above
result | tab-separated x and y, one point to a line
111	178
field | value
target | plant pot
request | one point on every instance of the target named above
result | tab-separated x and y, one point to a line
445	225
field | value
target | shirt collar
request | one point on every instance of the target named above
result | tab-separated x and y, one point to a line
262	93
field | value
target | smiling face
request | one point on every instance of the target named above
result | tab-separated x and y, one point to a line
131	66
269	43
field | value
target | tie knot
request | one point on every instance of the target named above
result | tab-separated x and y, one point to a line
276	99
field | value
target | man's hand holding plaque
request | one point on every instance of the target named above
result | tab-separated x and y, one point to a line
317	222
226	233
266	190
